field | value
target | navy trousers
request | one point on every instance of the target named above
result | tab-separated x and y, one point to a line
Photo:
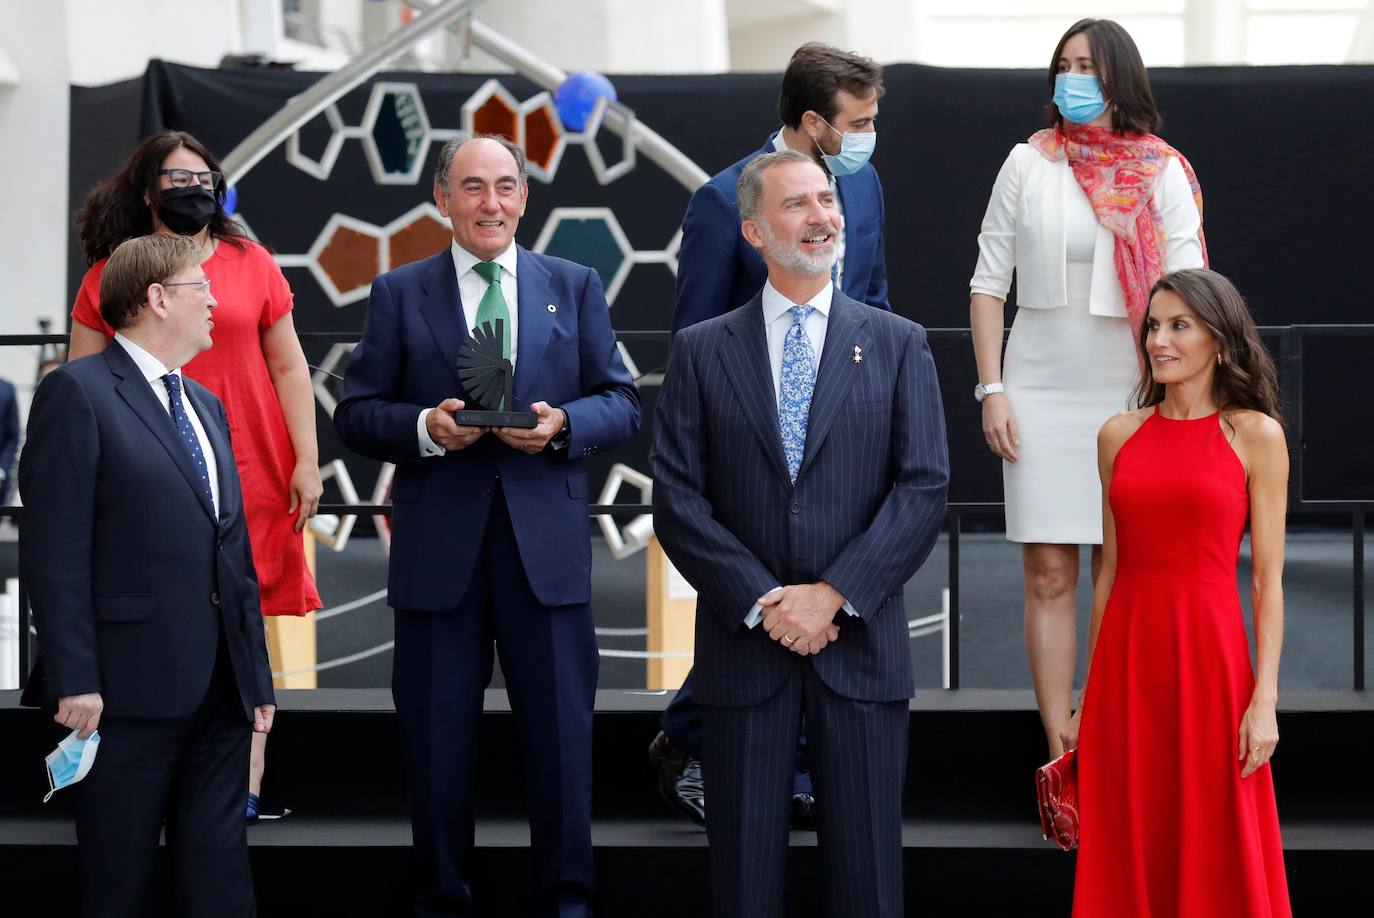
858	760
187	774
442	665
681	723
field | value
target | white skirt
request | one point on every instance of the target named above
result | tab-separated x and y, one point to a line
1066	372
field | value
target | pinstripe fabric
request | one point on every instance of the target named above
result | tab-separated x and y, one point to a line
866	508
858	757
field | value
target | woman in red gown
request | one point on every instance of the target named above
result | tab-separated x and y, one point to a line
1175	729
172	184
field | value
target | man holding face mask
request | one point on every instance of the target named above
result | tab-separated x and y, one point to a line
829	109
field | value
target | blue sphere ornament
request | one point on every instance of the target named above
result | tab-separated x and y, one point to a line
576	98
231	201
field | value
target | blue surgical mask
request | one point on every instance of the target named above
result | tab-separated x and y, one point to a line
855	149
70	761
1078	96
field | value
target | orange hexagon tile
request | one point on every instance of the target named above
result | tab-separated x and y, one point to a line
495	117
351	259
421	238
541	136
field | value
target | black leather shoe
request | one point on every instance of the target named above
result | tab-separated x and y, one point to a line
679	779
804	812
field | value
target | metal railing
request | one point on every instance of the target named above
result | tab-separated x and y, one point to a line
1289	364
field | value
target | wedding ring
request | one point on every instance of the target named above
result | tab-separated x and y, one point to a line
1255	754
789	639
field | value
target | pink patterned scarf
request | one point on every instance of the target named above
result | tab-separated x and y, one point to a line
1118	174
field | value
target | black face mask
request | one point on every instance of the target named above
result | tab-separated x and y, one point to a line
187	211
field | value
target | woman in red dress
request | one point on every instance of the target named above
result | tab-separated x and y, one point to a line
172	184
1176	729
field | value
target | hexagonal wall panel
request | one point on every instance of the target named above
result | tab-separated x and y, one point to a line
422	237
589	236
345	257
541	136
395	133
492	110
320	168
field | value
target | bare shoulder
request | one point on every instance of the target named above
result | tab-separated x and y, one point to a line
1120	427
1257	431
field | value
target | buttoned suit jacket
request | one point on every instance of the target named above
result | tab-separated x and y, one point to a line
866	508
566	355
718	270
133	577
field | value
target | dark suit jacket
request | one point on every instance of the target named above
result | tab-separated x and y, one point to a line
866	508
133	579
406	362
717	270
9	435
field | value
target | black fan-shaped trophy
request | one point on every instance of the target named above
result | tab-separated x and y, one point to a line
488	378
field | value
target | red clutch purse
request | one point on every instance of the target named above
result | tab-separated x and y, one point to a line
1056	788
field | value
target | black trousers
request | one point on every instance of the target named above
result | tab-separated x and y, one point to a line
187	774
442	664
858	761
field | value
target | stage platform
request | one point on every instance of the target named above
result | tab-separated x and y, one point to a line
972	841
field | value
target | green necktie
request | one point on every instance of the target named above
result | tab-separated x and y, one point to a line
493	304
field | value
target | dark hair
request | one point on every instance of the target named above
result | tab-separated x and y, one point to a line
450	150
1125	83
114	210
1245	378
749	190
134	266
816	72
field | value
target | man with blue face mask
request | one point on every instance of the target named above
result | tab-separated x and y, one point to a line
829	110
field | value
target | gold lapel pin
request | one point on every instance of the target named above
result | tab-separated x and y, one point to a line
552	308
858	354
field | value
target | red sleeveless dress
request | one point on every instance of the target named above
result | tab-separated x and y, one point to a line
1169	829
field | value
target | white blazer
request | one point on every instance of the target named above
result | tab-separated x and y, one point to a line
1023	230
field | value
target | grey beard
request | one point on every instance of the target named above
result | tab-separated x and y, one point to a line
791	257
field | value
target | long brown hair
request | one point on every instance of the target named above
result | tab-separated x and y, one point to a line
1245	378
1125	82
114	210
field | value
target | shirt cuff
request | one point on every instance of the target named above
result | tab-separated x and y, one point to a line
427	446
756	614
850	609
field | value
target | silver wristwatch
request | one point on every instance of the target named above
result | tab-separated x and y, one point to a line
982	391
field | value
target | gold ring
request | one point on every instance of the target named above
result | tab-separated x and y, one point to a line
789	639
1255	754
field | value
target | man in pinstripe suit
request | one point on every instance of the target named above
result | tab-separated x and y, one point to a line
800	473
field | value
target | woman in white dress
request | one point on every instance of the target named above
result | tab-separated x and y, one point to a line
1088	215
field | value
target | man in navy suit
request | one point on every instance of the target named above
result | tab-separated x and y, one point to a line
489	526
136	557
829	110
800	471
9	436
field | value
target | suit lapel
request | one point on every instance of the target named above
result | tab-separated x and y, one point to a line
533	299
744	355
443	309
844	331
138	395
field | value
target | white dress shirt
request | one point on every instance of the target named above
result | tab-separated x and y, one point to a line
471	288
153	371
777	320
781	146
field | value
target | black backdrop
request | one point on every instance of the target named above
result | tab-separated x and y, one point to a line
1283	155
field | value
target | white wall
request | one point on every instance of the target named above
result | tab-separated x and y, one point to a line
111	40
33	180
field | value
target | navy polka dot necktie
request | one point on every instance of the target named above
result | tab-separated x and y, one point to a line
188	434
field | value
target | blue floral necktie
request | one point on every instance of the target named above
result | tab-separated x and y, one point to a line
188	433
798	383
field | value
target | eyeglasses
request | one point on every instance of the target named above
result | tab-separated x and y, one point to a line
204	285
185	178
